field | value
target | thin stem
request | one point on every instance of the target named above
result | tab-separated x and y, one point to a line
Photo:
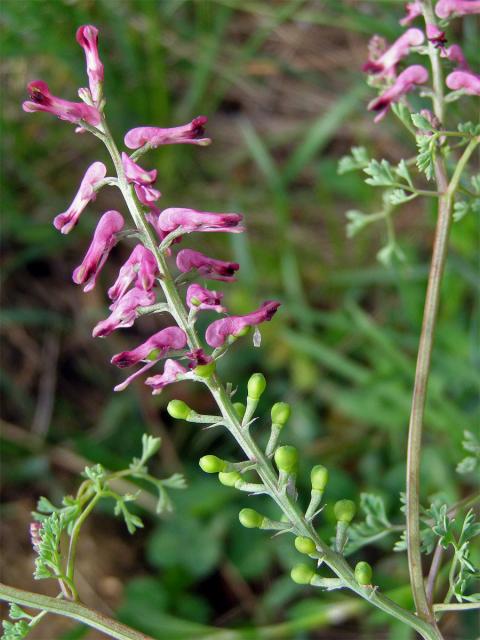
74	610
72	549
432	574
456	606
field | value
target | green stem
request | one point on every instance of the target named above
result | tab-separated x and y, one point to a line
457	606
72	549
74	610
288	506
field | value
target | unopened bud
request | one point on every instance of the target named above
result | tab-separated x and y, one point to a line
363	573
302	574
345	511
256	386
239	409
305	545
319	477
280	413
212	464
178	409
286	459
250	518
229	478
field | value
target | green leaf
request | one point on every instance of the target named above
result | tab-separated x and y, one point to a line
471	444
421	122
358	160
470	128
15	630
375	525
356	222
17	613
426	155
380	173
399	196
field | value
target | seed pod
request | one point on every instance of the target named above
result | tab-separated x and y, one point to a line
305	545
178	409
250	518
302	574
286	459
212	464
256	386
363	573
239	409
319	477
345	511
280	413
229	478
205	370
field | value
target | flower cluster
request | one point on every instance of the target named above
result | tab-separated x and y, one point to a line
383	62
139	280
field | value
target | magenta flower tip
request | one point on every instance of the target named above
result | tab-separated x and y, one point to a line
190	220
188	259
191	133
42	100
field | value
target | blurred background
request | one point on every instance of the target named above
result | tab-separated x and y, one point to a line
280	82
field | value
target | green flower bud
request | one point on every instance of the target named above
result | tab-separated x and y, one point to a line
280	413
256	386
239	409
195	301
250	518
363	573
212	464
205	370
319	477
178	409
345	510
229	478
286	459
305	545
302	574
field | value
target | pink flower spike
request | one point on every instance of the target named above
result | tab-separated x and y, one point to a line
200	298
413	9
413	75
104	239
152	349
220	330
192	220
135	173
124	312
454	53
436	36
171	372
87	38
141	265
42	100
399	49
67	220
467	81
146	195
188	259
446	8
191	133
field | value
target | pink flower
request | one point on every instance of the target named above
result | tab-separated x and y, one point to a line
200	298
413	9
445	8
151	351
135	173
171	371
95	173
43	100
124	312
87	38
416	74
454	53
191	133
187	259
436	36
147	195
466	80
189	220
399	49
104	239
142	266
198	357
220	330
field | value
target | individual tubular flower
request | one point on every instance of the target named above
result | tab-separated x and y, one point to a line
220	330
124	312
436	36
95	173
454	53
190	220
466	80
147	195
413	9
413	75
87	38
42	100
104	239
135	173
385	64
191	133
447	8
171	372
204	299
140	266
188	259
